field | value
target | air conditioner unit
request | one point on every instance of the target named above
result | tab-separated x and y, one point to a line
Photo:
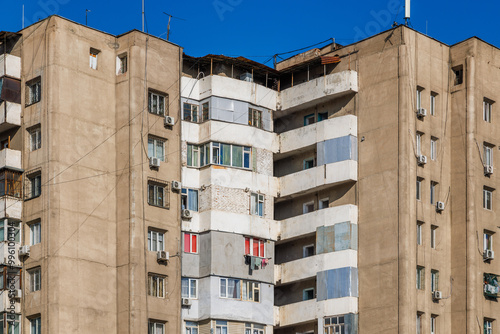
169	121
186	214
488	170
440	206
162	256
422	159
154	162
24	251
488	254
421	112
185	301
176	185
437	295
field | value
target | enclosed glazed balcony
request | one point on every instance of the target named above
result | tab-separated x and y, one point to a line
317	91
10	66
10	193
10	115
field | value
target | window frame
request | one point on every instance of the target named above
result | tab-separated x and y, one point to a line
93	58
321	203
33	91
160	281
36	142
418	194
432	101
158	245
305	252
190	283
434	143
306	205
255	118
185	198
433	192
257	203
488	198
487	240
35	232
434	280
245	290
419	232
212	153
488	326
190	114
419	137
191	236
487	110
205	111
35	325
420	278
35	184
434	324
35	279
161	100
488	154
250	247
192	327
121	64
332	326
419	97
221	325
308	163
156	142
155	185
419	322
153	327
307	291
309	119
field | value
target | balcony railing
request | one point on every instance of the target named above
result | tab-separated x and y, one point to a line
10	65
10	115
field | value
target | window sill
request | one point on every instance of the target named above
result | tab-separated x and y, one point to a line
152	113
159	206
30	104
30	198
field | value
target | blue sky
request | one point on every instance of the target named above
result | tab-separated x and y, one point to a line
258	29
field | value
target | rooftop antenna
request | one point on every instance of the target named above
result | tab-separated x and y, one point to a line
23	16
86	12
142	15
407	12
168	27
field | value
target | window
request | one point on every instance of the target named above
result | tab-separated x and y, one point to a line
205	111
191	327
189	199
35	276
189	288
155	240
419	323
33	91
419	143
9	230
324	203
156	148
308	207
93	58
420	277
156	285
334	325
121	64
34	185
255	247
193	155
308	163
239	289
255	118
419	232
254	329
190	112
487	240
257	204
434	280
487	106
157	194
458	72
488	326
156	103
434	324
218	154
433	236
419	188
308	251
309	119
433	104
487	154
35	233
155	327
487	198
308	294
10	183
35	138
433	192
36	325
190	243
434	148
419	98
322	116
220	327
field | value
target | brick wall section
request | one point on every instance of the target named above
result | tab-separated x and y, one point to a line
184	153
264	162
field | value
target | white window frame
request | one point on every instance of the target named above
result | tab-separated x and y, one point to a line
434	324
487	240
420	278
419	143
255	118
35	325
307	291
487	198
487	109
185	197
193	151
190	242
335	324
191	283
35	278
434	280
93	57
34	91
192	114
252	240
221	327
488	154
35	138
155	327
488	326
419	189
154	243
419	323
192	327
433	104
121	64
433	192
434	141
159	292
433	236
35	233
156	199
153	144
248	290
419	98
256	208
419	232
305	206
254	329
161	103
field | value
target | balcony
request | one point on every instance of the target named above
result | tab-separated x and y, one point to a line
308	310
309	222
4	252
11	207
10	159
310	135
5	302
317	91
10	115
10	66
309	266
318	178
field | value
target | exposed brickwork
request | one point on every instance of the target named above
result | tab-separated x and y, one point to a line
264	162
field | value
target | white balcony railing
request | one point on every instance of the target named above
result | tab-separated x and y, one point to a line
11	207
10	115
10	158
10	65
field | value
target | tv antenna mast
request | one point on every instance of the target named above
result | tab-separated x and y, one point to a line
407	12
170	18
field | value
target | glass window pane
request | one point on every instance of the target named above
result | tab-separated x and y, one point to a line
237	156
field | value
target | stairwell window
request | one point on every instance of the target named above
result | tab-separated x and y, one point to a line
419	232
156	285
433	193
488	198
487	106
157	103
458	72
434	280
33	91
189	288
433	104
35	277
157	194
434	142
419	143
93	58
257	204
433	236
156	240
35	138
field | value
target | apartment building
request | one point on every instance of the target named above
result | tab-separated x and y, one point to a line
90	149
